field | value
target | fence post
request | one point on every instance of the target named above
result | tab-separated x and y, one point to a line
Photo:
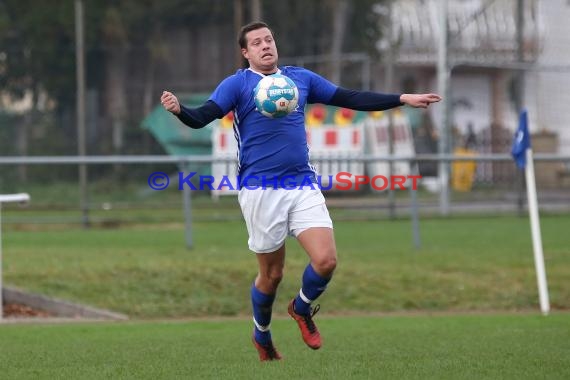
187	202
414	207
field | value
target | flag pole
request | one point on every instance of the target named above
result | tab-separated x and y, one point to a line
522	153
536	234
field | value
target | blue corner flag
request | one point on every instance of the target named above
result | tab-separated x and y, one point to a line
521	141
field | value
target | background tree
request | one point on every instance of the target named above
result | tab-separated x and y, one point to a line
136	48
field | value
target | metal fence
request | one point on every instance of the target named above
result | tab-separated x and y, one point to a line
477	183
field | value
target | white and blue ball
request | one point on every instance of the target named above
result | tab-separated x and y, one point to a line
276	96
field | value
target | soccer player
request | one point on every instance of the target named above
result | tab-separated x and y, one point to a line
269	151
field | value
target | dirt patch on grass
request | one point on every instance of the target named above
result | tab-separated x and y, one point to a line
14	310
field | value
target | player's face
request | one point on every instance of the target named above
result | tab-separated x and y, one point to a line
261	51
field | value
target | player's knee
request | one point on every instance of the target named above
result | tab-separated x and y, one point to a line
276	277
326	265
273	277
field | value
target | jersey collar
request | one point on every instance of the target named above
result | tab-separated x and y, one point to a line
261	74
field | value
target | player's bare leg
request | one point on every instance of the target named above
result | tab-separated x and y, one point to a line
262	296
319	244
270	270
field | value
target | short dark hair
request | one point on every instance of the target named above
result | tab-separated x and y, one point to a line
242	41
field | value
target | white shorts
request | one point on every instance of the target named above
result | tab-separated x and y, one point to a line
272	214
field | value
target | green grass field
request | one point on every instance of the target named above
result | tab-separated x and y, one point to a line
465	305
145	271
418	347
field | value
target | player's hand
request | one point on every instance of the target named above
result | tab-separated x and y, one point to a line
419	100
170	102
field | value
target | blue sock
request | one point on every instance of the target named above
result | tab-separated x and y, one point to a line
313	286
262	307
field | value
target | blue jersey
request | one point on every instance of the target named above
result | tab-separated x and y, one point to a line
271	149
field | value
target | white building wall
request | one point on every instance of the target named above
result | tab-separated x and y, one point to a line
471	102
552	88
547	92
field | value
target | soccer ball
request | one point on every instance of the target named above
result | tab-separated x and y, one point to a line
276	96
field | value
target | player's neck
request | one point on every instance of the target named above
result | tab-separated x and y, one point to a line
265	72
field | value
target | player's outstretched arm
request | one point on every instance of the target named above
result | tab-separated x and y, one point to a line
376	101
193	117
170	102
419	100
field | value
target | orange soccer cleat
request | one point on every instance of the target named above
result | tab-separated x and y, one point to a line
309	331
266	352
